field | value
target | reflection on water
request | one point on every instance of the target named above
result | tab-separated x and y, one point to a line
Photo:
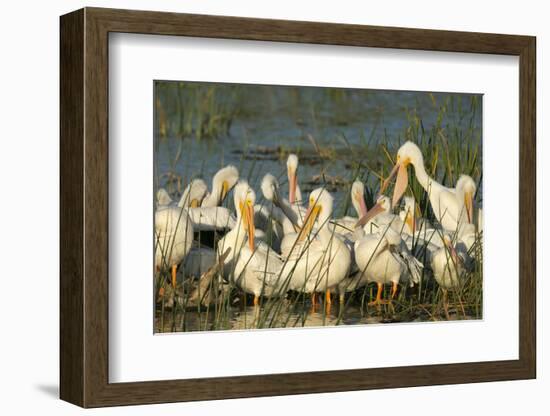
257	317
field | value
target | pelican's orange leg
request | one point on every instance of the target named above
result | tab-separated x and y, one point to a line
328	300
256	300
378	299
393	290
174	269
314	299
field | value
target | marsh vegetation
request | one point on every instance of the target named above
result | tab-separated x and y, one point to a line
340	136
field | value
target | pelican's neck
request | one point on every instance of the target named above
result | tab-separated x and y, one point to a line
357	206
288	211
212	199
324	232
298	195
421	174
237	235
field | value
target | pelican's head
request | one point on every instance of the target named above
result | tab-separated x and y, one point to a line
245	198
270	188
408	154
163	197
319	210
224	180
465	190
193	194
382	205
358	198
292	169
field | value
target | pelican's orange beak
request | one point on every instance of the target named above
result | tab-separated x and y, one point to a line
409	220
362	204
310	218
400	169
452	251
469	204
292	183
373	212
247	212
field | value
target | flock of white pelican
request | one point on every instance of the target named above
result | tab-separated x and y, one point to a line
288	244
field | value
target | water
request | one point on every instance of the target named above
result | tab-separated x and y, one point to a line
249	317
268	122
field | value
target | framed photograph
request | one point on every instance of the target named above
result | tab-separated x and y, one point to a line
263	207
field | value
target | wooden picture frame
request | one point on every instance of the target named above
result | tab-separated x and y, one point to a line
84	207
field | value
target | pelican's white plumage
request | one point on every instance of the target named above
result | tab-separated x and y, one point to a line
193	194
163	198
255	267
320	260
224	180
450	266
211	218
411	216
345	226
465	191
294	192
380	216
384	258
448	210
173	238
204	210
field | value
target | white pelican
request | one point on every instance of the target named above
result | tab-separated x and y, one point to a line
445	205
224	180
346	225
294	193
411	216
255	268
384	258
210	216
450	268
323	260
173	238
286	215
465	192
163	198
193	194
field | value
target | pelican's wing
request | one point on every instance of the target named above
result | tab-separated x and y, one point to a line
211	218
266	264
411	263
446	208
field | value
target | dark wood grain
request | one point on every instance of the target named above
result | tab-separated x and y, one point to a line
71	100
84	206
